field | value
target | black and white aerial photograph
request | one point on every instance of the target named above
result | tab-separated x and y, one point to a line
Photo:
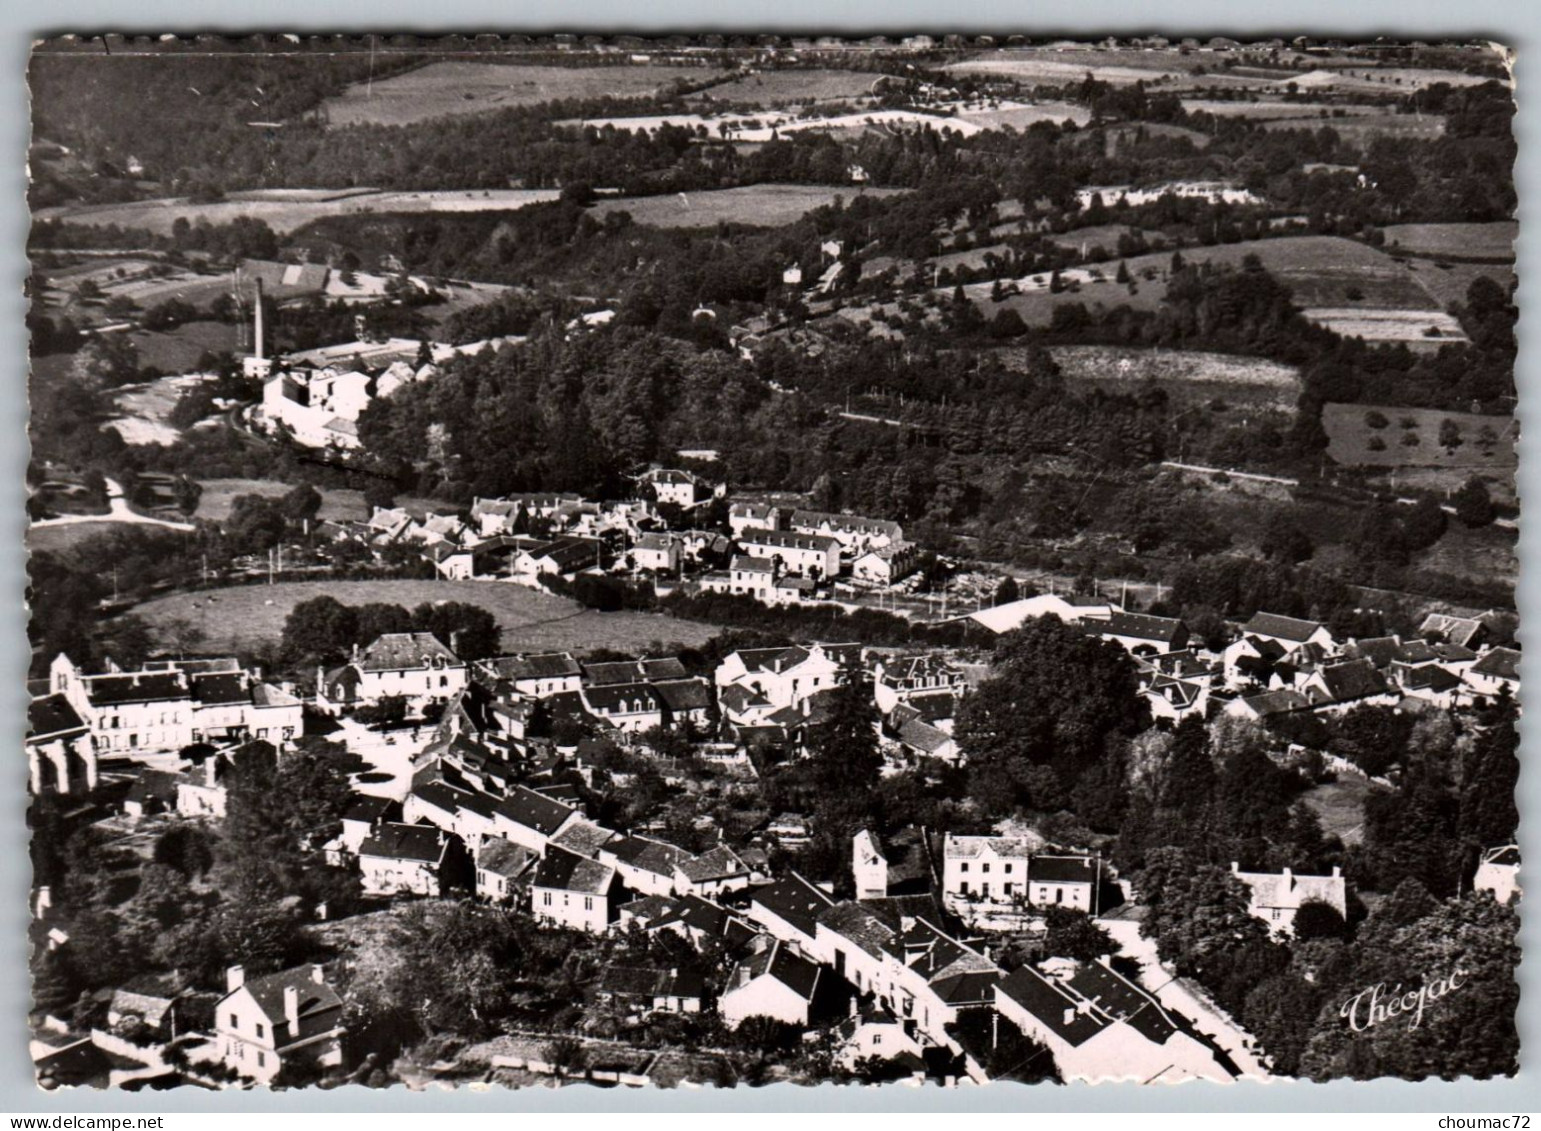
720	560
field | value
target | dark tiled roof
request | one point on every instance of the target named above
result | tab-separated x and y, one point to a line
314	997
503	857
653	856
859	924
1356	679
111	690
51	715
533	810
221	689
396	841
1062	870
1501	663
1139	626
546	665
371	809
404	651
975	987
622	698
716	863
795	900
790	969
684	694
1284	628
571	872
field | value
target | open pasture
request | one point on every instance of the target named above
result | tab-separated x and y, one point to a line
1186	375
285	215
1361	129
767	206
1323	112
1487	443
1416	328
1468	242
794	87
1070	65
238	618
456	88
341	503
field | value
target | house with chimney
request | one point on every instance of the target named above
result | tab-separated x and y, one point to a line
1140	634
1276	897
1290	633
677	488
170	704
869	866
658	552
575	892
283	1020
531	819
651	989
503	870
788	909
538	676
645	865
815	556
415	666
855	533
985	870
363	814
1100	1026
714	872
777	982
786	677
402	859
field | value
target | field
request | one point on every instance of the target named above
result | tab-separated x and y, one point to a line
285	215
1410	327
779	88
1070	66
178	351
1468	242
1187	375
238	618
63	539
1104	236
143	409
1361	129
340	503
450	89
1319	112
1352	438
1339	806
768	206
1021	115
1321	272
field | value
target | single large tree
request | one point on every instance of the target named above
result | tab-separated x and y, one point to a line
1056	696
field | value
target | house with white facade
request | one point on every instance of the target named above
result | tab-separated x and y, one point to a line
263	1025
575	892
170	704
415	666
401	859
985	869
1499	873
776	982
815	556
1099	1026
1276	897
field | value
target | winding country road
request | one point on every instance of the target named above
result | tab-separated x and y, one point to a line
117	511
